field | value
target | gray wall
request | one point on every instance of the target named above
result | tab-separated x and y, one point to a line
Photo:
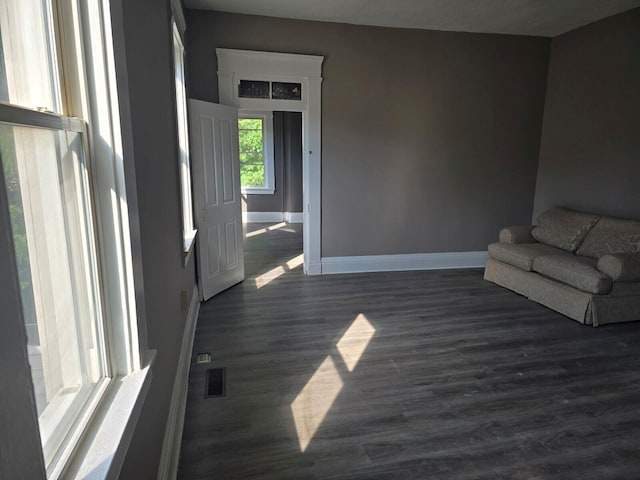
429	139
287	152
590	147
292	155
153	126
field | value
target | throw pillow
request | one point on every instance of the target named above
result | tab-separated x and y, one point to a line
563	228
611	235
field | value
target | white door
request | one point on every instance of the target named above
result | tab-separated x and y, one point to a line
218	206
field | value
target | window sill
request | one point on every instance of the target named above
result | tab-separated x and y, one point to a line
100	454
258	190
189	242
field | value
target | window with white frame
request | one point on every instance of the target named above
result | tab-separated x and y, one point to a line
63	221
188	229
255	141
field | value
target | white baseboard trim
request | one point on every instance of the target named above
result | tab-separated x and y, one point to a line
314	268
294	217
168	468
262	217
268	217
390	263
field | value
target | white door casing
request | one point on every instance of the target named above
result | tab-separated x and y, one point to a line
218	202
236	65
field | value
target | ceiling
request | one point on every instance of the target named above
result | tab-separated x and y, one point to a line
546	18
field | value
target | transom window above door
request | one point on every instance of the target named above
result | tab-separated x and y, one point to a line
265	89
255	141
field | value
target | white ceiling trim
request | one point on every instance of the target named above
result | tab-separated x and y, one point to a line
546	18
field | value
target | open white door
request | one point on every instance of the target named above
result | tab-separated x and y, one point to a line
218	202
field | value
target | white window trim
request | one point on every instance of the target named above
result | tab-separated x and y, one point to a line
267	145
104	444
120	256
178	16
102	450
184	162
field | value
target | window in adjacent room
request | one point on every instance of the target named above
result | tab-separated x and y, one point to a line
255	132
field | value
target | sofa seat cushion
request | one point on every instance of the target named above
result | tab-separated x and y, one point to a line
521	255
563	228
610	236
578	272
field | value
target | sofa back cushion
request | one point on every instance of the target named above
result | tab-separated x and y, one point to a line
611	235
563	228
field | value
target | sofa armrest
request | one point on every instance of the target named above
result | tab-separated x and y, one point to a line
621	267
517	234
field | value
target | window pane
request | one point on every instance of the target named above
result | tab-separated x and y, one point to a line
250	141
253	89
28	72
252	175
250	123
287	91
251	146
46	182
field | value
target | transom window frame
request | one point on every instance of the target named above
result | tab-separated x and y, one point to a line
269	187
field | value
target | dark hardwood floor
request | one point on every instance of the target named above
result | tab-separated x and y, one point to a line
408	375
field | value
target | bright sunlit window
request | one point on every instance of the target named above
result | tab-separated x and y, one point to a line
68	234
27	33
47	188
255	140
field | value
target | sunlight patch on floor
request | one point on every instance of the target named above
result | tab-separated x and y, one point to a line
319	394
295	262
315	400
278	271
269	276
265	230
355	341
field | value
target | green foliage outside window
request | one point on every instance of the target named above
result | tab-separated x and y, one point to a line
12	186
250	135
8	156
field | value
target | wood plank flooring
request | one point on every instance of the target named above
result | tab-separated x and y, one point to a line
458	379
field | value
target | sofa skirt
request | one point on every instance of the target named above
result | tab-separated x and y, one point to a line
587	308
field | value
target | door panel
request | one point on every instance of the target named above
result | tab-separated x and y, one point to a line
216	171
209	178
213	252
227	165
232	254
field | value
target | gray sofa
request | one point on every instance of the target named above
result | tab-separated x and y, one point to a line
582	265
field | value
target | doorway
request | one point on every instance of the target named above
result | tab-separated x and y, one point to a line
271	166
273	212
270	81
